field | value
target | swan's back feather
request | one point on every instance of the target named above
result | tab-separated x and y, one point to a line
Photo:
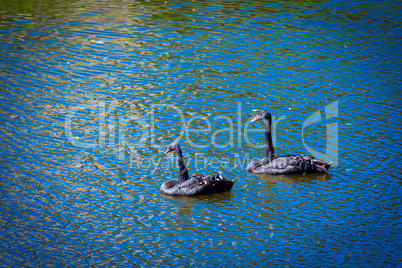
197	185
288	164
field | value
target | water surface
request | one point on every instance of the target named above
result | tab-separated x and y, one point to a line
91	95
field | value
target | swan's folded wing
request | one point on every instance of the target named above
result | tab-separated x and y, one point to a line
211	184
280	165
197	185
193	186
291	164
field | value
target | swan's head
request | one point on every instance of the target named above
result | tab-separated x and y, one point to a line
171	147
262	115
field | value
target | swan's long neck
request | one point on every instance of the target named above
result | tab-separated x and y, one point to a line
183	170
268	140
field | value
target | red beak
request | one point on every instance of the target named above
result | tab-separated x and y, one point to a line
167	150
255	118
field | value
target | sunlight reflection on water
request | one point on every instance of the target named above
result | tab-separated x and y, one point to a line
131	78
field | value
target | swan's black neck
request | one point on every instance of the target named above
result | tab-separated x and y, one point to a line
268	140
183	170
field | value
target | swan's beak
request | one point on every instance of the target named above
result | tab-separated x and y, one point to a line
255	118
167	150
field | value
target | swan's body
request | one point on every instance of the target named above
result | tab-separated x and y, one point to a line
195	185
289	164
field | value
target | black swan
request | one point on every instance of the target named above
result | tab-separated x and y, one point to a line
288	164
195	185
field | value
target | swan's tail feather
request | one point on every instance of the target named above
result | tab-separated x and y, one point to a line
328	165
321	166
221	184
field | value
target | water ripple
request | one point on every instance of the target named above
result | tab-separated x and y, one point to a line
129	77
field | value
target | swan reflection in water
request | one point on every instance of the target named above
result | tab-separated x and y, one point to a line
270	180
184	211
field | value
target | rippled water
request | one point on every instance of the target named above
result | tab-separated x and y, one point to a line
92	93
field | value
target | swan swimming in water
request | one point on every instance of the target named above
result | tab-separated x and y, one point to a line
195	185
288	164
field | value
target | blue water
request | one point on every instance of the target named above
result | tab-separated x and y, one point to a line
92	94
